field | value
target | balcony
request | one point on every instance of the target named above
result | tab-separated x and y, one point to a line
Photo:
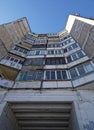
12	64
18	53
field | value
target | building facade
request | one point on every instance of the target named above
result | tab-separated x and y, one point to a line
47	80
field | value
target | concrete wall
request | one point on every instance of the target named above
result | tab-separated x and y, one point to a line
7	119
73	120
11	33
83	33
82	117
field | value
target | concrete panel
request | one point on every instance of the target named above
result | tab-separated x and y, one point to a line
27	84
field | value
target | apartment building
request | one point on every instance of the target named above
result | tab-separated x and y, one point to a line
47	80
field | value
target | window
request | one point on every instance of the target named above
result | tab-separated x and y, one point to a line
21	62
52	75
11	59
74	56
31	53
69	48
59	75
73	73
55	61
58	45
50	52
69	59
81	70
72	40
37	52
39	75
20	50
22	76
51	45
25	51
16	60
68	41
65	50
30	76
43	52
56	75
8	57
65	37
58	52
88	67
74	45
64	75
33	75
16	48
80	54
39	46
47	75
27	62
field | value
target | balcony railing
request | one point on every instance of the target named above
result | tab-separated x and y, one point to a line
6	83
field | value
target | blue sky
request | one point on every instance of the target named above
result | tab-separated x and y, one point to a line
44	16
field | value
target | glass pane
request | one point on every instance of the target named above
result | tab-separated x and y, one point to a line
57	45
11	59
69	59
25	51
27	62
52	75
81	70
31	53
43	52
64	75
88	67
30	76
58	52
16	48
57	62
49	46
8	57
53	61
21	62
20	50
70	48
47	75
74	45
65	50
24	76
72	40
74	57
37	52
50	52
20	75
73	73
63	61
48	62
59	77
39	46
16	60
39	75
80	54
